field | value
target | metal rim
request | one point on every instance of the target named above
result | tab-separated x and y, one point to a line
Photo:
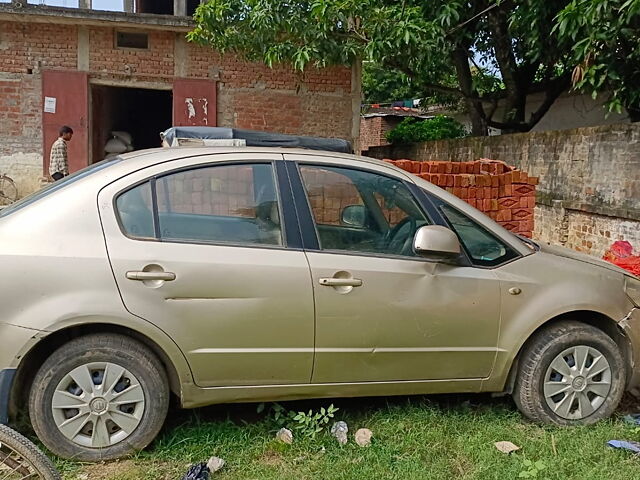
98	405
577	382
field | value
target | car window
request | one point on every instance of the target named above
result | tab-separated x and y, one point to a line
219	204
482	246
135	210
359	211
224	203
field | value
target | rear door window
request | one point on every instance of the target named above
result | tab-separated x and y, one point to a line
236	204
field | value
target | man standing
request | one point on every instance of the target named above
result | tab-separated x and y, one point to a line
59	162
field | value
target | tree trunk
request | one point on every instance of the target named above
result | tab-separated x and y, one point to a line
473	106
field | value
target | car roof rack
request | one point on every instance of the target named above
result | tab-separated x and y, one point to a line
222	136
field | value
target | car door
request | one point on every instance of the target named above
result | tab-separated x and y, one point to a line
198	248
382	313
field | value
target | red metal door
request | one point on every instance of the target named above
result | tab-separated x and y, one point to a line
194	103
66	102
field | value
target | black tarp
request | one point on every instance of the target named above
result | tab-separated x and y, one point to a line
258	139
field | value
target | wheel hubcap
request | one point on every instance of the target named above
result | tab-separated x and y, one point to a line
98	404
577	382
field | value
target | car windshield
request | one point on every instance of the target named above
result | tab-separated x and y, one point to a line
55	186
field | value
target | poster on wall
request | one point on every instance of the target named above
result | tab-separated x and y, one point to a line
50	104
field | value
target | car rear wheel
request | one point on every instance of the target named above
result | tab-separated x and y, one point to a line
570	374
99	397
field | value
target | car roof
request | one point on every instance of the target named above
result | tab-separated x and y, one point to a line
145	158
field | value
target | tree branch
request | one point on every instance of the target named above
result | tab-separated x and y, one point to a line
554	89
430	86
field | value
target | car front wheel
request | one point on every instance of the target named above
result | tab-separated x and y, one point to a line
99	397
570	373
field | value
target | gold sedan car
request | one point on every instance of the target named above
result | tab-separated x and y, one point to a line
229	274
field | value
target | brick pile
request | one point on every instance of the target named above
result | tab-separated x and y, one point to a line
502	192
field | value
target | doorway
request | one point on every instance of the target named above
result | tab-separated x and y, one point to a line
142	113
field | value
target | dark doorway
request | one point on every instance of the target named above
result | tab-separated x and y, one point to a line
140	112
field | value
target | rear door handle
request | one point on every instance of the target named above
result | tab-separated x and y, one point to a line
145	276
341	282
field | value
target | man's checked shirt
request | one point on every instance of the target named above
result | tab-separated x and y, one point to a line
59	162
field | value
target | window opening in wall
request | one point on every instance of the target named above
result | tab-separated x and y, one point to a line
158	7
108	5
56	3
132	40
125	119
191	7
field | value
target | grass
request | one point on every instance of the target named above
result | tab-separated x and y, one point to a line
414	438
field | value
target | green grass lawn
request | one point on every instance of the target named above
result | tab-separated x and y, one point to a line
414	438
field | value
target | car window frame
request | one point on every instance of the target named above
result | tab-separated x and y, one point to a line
278	183
437	202
305	209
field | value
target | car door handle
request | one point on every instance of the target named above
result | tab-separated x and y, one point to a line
144	276
341	282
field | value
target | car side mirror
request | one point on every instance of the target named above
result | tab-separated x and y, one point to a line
436	242
354	216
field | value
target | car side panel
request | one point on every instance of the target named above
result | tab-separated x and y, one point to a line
550	286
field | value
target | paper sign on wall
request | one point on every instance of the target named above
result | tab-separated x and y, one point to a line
50	104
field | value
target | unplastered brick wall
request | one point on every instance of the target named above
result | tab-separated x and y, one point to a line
591	175
317	102
373	131
502	192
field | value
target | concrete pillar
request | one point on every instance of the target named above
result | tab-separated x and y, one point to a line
356	103
180	8
85	4
83	49
128	6
180	56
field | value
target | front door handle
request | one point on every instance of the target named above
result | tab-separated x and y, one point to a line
146	276
341	282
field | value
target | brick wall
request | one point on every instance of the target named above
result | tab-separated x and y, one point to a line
373	131
504	193
318	102
589	192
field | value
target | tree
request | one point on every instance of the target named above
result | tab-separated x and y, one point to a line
381	85
605	35
433	43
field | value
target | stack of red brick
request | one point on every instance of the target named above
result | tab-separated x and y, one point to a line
502	192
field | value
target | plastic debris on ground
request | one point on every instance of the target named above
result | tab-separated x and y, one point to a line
285	436
199	471
625	445
363	437
506	447
633	419
202	471
340	431
621	254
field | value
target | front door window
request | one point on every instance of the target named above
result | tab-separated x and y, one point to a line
362	212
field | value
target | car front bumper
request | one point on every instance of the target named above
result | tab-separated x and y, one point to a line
6	381
631	326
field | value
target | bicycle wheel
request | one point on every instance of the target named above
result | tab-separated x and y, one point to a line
8	192
21	460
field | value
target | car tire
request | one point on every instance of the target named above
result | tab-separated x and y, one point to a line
110	388
570	373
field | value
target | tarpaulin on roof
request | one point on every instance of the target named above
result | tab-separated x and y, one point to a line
258	139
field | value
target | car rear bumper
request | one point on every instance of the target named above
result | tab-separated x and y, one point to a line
631	326
6	381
